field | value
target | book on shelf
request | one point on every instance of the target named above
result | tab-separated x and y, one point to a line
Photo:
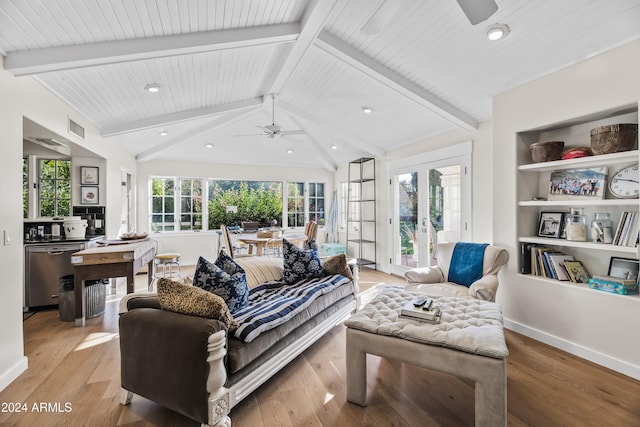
418	313
614	279
627	230
577	272
557	262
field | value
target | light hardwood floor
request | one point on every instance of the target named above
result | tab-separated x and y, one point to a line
80	368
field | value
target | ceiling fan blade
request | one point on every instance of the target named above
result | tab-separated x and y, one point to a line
381	17
478	10
249	134
292	132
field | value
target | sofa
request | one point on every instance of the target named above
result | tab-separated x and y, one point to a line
455	274
198	367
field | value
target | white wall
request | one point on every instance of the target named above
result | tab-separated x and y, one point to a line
482	167
562	315
191	245
20	97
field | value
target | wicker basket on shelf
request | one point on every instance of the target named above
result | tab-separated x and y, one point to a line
614	138
546	151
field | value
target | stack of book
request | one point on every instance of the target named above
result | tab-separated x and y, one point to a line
627	231
544	261
614	285
428	313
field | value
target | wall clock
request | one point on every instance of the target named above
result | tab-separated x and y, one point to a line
624	183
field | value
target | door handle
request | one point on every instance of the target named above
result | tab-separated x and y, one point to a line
55	253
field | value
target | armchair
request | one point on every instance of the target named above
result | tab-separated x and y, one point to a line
439	279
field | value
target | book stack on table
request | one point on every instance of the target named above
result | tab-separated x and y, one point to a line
614	285
423	310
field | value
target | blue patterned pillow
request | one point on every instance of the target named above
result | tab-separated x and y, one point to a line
224	278
299	263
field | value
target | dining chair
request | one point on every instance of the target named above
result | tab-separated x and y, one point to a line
311	230
228	244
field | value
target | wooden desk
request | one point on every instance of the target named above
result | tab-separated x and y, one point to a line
261	242
123	260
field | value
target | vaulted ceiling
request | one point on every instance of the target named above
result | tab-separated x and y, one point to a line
425	70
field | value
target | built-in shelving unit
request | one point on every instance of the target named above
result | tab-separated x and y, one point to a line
361	213
533	188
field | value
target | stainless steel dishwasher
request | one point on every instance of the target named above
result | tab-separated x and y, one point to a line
45	265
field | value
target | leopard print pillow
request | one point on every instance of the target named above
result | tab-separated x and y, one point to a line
193	301
337	265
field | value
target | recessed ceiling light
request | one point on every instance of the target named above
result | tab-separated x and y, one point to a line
164	133
152	87
334	146
497	31
208	145
290	151
367	110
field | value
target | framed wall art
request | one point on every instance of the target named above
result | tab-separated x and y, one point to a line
89	195
89	175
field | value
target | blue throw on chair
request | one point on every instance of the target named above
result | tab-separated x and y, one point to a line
466	263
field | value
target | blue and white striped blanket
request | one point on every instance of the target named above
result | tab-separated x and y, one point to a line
273	303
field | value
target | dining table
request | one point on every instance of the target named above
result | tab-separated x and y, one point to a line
262	243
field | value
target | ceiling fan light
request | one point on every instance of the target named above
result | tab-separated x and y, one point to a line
290	151
163	133
152	88
208	145
497	31
367	110
334	146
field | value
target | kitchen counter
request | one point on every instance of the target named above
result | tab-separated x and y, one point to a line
47	240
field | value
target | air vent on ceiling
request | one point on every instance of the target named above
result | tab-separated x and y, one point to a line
76	129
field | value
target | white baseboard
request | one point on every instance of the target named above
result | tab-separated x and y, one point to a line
605	360
13	372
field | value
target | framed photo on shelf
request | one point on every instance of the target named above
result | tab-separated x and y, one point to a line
578	184
89	195
550	224
624	268
89	175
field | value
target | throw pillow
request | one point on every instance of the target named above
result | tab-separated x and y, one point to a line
299	264
261	269
185	299
231	285
337	264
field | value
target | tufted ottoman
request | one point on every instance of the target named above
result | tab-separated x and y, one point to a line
468	343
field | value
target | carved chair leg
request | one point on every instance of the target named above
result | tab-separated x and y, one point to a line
125	396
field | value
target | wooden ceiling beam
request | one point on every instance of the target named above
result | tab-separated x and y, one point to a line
180	116
323	157
335	129
228	119
312	23
369	66
35	61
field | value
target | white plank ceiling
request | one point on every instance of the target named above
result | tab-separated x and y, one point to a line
427	71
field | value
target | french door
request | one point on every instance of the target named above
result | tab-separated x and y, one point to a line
431	204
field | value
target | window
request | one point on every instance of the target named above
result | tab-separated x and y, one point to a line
54	196
183	204
190	204
162	204
232	202
316	202
295	204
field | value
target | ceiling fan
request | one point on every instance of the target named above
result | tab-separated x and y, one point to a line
273	130
476	11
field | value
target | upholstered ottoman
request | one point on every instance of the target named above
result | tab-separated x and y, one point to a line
468	343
